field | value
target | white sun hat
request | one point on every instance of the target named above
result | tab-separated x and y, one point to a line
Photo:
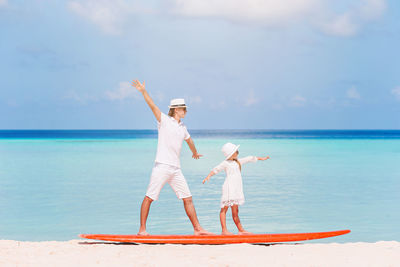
177	103
229	149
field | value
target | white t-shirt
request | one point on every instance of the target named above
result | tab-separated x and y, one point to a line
171	134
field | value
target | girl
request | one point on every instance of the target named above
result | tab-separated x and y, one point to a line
232	190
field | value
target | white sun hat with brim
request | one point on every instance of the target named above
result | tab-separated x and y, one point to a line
177	103
229	149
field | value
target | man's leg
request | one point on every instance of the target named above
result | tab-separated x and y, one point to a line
182	191
144	212
159	177
191	213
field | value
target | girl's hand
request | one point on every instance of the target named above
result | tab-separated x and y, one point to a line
208	176
263	158
141	87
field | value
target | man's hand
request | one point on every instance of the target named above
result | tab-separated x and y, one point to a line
196	156
192	147
263	158
140	87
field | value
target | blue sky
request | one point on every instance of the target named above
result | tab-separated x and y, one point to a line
289	64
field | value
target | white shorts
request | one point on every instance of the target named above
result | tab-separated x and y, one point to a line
163	173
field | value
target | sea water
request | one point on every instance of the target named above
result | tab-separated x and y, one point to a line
55	185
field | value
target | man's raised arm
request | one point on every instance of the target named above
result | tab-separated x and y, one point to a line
141	88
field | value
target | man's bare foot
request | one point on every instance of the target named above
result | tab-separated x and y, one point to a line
244	233
226	233
202	232
143	233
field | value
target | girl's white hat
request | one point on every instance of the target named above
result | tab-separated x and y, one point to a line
229	149
177	103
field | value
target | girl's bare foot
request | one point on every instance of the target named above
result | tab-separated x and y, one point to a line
202	232
226	233
143	233
244	233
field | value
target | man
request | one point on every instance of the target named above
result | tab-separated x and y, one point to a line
171	133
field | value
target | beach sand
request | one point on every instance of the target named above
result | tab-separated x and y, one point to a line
87	253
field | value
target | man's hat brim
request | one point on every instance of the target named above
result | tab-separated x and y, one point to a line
177	106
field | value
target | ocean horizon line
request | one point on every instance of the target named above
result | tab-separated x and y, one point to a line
210	129
203	133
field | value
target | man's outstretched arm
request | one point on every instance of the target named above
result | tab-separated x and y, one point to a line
192	147
141	88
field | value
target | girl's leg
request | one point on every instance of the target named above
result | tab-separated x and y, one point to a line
222	217
235	217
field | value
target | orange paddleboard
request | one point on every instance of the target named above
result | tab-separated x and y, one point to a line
215	239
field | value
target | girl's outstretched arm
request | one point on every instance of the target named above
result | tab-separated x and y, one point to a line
251	159
208	176
142	88
217	169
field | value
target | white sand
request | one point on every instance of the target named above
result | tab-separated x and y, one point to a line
87	253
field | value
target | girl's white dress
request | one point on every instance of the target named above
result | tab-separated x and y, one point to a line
232	189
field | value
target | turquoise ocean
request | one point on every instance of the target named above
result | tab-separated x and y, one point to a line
55	185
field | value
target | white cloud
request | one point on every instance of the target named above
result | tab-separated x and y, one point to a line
159	96
73	95
297	101
276	106
267	11
124	91
372	9
396	92
3	3
352	93
194	99
351	21
81	98
342	25
106	14
250	99
275	13
218	105
112	15
329	102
